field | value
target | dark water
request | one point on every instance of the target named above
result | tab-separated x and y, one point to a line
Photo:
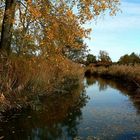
96	110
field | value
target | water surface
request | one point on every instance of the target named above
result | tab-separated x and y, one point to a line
96	110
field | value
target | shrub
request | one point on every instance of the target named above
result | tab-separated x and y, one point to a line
23	78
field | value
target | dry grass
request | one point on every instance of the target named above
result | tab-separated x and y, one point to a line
22	78
125	72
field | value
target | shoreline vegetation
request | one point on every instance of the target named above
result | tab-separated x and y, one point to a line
39	40
23	81
41	44
126	70
128	75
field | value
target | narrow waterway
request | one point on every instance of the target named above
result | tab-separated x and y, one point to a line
96	110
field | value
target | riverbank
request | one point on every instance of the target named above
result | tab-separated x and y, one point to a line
23	80
90	112
128	75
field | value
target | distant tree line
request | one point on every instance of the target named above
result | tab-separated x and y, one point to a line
104	58
129	59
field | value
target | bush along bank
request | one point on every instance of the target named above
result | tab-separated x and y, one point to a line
23	80
126	74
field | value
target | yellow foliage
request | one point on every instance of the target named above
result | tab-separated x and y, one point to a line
54	23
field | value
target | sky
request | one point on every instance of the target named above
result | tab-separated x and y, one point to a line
118	35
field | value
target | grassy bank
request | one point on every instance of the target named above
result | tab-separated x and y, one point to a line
23	79
126	73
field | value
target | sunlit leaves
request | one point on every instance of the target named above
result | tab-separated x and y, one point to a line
51	25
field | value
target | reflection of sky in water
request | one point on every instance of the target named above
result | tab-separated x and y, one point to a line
109	113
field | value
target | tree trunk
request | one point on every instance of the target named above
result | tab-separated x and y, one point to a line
7	25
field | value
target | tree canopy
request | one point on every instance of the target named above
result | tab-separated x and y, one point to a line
91	59
43	27
129	59
104	56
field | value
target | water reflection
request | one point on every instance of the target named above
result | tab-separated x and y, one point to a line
104	83
90	81
96	109
54	118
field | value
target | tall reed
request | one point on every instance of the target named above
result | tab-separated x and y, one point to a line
22	78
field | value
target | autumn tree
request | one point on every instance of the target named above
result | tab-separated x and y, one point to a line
46	26
6	33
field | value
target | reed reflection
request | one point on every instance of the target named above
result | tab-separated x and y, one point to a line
124	88
54	118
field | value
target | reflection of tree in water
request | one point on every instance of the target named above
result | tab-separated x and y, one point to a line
102	85
90	80
56	119
136	103
74	115
125	88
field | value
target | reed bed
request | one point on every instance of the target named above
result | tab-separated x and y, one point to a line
22	79
124	72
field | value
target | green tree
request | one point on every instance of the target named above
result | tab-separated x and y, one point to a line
134	58
76	54
129	59
104	56
90	59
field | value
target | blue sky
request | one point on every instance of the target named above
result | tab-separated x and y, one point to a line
117	35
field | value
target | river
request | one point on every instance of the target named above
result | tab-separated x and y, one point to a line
97	109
